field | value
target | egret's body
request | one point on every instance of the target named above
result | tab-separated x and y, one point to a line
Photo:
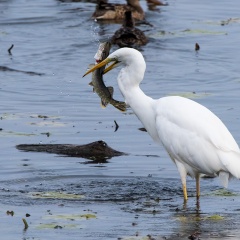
196	140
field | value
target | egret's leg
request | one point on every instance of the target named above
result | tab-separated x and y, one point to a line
184	187
183	175
198	185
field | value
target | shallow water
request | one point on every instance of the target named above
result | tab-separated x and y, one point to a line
138	194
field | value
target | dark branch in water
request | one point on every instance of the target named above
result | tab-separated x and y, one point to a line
25	224
9	50
197	47
142	129
3	68
116	126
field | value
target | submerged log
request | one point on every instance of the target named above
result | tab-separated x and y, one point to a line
97	151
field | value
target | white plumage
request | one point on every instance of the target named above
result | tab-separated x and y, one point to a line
196	139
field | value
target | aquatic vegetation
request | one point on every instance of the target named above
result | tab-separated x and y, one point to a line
55	195
224	193
190	217
197	218
25	223
60	221
17	134
40	116
55	226
148	237
72	217
202	32
10	213
215	217
48	124
224	22
186	32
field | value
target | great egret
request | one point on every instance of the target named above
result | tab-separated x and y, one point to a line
196	140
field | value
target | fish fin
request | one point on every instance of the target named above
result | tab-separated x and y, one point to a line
111	90
104	103
91	84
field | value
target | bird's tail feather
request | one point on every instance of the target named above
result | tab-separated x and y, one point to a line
224	176
231	162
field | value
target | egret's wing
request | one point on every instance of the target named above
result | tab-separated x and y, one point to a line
193	135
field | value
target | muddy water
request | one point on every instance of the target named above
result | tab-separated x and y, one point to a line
45	100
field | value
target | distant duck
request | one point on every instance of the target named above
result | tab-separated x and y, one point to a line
153	3
156	2
128	35
111	11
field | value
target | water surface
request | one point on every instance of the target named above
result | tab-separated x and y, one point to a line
132	195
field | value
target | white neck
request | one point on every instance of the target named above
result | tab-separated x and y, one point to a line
141	104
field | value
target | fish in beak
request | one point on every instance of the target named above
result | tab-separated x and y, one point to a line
103	63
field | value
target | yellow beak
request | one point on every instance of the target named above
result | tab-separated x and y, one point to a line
99	65
112	66
103	63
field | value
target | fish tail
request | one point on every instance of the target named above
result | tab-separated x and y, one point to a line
120	106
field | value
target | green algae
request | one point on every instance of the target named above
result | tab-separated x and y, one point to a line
55	226
224	193
187	32
228	21
17	134
72	217
48	124
202	32
215	217
148	237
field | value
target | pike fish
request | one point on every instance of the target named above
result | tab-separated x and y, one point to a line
105	93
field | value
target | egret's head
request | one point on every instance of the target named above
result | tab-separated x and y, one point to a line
129	57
